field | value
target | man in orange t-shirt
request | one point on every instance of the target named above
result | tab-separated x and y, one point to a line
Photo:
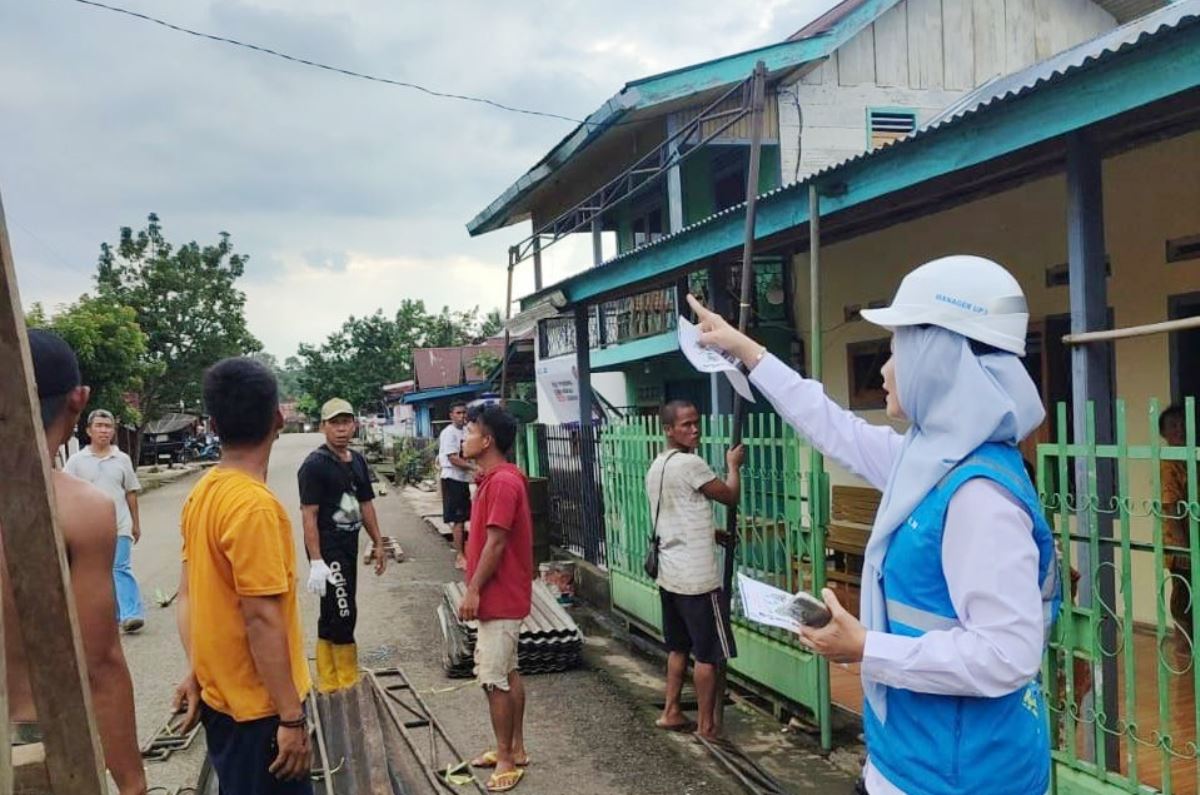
238	614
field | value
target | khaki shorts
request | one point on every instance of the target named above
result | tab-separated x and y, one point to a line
496	652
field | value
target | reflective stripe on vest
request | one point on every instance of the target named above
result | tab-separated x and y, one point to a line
919	619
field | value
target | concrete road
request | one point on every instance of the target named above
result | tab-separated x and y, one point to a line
588	731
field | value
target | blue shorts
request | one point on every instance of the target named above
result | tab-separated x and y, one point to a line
241	754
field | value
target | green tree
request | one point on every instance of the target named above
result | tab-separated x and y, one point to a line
187	304
287	374
367	352
492	325
111	348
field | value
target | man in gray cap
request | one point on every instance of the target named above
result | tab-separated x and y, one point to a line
88	523
336	501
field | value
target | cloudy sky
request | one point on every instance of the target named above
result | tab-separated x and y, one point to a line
348	195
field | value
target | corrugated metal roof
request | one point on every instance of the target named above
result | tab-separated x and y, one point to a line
1003	89
1081	56
435	368
813	42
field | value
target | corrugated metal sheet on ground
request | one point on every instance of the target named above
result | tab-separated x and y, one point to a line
550	639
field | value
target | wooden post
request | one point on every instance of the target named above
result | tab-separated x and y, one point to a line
674	178
40	580
1092	383
817	494
597	241
537	261
757	100
512	263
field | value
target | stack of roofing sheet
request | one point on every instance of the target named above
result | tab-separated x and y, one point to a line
550	640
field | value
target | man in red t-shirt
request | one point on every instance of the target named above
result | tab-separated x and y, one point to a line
499	586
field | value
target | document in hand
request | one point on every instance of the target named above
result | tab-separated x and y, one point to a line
769	605
710	360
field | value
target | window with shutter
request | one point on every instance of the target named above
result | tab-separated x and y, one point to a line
885	125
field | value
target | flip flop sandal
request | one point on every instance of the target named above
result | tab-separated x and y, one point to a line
488	759
687	727
503	782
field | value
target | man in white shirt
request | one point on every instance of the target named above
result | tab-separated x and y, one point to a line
679	486
111	471
456	479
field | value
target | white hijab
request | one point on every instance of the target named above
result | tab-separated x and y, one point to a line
956	401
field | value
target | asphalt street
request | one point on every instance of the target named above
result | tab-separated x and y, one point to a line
589	731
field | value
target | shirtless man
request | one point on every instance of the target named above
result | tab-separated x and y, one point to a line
88	522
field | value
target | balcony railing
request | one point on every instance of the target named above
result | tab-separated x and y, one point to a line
614	322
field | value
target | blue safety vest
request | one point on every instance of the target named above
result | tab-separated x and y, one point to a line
945	745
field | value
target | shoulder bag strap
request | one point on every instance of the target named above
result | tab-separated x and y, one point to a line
661	481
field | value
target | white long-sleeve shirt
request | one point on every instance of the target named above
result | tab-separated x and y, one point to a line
989	557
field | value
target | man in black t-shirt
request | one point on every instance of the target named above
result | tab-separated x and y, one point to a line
336	502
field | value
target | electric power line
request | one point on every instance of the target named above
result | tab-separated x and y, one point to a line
326	67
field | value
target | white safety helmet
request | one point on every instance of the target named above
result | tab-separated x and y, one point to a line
970	295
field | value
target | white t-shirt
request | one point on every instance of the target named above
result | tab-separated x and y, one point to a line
687	552
450	443
113	474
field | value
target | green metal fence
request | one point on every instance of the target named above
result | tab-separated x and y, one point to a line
779	528
1121	681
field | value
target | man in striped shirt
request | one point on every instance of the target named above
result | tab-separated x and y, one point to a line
679	486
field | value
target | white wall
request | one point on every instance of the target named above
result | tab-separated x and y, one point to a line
922	55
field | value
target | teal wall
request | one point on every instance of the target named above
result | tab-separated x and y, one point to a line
696	174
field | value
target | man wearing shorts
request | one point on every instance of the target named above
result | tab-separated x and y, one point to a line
679	486
456	479
499	587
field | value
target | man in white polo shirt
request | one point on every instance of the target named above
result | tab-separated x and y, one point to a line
456	479
111	471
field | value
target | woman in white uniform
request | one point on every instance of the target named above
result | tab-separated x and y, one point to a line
960	577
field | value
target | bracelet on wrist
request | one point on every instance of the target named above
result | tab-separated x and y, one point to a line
299	723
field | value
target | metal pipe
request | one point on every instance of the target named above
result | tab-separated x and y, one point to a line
1145	330
758	99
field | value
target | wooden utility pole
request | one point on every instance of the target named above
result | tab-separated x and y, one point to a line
38	573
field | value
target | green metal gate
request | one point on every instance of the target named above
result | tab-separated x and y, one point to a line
1121	683
779	529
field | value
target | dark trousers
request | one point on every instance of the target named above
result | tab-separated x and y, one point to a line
242	753
339	605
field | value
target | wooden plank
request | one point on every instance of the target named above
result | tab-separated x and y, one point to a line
40	584
988	23
29	770
958	44
1049	32
1020	24
856	59
891	47
817	76
925	43
372	749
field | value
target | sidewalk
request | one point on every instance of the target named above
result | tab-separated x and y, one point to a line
590	731
152	477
